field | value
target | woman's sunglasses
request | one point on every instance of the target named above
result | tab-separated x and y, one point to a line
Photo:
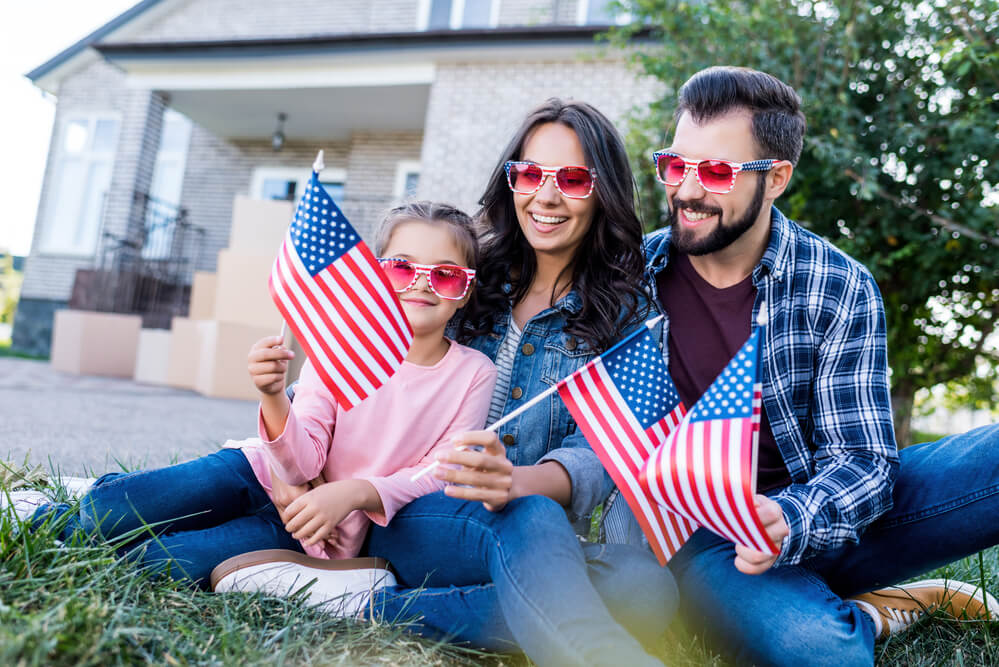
526	178
446	280
717	176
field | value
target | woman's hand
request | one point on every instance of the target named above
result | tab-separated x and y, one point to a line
487	474
314	515
284	494
268	364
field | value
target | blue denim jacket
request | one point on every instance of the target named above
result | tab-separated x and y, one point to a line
825	389
547	432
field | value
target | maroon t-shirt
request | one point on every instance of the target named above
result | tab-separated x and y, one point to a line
707	326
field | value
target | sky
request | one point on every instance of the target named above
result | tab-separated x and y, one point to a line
31	33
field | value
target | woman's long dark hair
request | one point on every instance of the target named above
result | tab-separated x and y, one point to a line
607	268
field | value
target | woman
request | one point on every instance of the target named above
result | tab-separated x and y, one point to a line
492	558
560	271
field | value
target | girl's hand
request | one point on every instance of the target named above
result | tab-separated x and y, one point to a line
284	494
487	474
268	364
314	515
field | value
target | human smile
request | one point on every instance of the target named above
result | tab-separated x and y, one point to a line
547	223
692	218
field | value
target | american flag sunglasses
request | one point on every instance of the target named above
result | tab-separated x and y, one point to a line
526	178
717	176
447	281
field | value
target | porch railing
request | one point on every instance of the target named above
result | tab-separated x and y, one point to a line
147	272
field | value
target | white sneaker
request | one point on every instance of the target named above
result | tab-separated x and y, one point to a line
76	487
339	587
23	502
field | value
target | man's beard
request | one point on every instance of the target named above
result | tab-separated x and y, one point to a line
721	236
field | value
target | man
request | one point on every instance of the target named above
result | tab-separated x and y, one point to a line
849	516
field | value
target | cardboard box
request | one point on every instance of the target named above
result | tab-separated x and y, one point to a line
259	225
152	358
202	296
223	365
241	292
90	343
185	351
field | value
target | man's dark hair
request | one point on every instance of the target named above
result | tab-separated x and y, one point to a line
778	124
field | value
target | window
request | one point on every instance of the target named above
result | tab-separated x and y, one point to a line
407	180
286	183
168	180
601	12
80	183
457	14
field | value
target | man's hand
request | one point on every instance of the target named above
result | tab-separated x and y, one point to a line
750	561
488	474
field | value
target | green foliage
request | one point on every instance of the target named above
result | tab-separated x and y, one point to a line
901	160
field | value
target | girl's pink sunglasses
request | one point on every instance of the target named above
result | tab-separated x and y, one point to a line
447	281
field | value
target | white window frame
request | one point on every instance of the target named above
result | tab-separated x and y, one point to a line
158	246
48	242
300	176
403	168
583	8
457	14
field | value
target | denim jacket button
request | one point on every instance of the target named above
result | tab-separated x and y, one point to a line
527	349
570	343
508	439
517	392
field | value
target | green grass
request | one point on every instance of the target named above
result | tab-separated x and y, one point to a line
82	604
7	351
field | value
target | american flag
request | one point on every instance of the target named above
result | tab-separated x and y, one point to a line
337	301
706	469
625	404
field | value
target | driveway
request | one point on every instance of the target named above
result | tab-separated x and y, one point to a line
86	425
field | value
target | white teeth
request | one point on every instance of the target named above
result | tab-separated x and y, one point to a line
547	219
691	215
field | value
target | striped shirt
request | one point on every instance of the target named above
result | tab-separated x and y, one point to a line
505	356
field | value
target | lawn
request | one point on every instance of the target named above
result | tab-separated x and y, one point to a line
81	604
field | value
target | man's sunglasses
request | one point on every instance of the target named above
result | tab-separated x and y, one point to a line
717	176
526	178
446	280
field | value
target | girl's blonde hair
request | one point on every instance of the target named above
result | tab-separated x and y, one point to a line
456	220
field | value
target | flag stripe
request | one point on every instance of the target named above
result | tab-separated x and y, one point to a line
313	343
336	330
380	292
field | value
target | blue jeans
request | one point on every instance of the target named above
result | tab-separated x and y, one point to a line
946	501
196	515
520	577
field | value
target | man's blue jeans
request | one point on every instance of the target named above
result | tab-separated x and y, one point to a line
946	506
520	577
190	517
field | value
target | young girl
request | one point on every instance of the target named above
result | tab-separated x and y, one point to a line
204	511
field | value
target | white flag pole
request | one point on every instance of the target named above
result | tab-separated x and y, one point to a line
519	411
318	165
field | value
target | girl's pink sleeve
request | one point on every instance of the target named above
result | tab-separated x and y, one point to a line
396	490
299	453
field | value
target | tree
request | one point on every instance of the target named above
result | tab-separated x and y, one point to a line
900	167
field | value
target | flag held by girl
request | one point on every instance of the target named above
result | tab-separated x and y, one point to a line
337	301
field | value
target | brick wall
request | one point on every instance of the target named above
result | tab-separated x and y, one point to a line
371	175
474	110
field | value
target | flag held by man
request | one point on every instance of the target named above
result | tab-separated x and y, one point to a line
335	298
706	469
625	404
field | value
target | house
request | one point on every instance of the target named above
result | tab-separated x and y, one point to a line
170	110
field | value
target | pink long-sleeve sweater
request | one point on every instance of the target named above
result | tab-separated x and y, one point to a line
385	439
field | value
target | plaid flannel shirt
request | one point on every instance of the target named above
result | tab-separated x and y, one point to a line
825	385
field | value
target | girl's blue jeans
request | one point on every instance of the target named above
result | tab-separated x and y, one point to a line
521	577
183	519
946	506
